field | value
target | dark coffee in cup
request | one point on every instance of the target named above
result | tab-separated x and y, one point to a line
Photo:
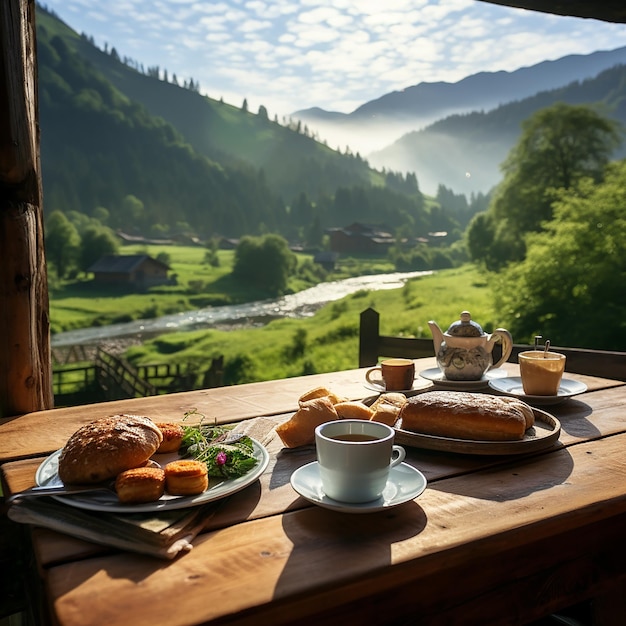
354	437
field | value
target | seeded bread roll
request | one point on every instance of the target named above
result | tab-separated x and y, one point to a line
141	484
299	429
464	415
103	449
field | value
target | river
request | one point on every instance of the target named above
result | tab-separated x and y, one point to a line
302	304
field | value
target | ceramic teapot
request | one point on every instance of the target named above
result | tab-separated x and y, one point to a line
464	350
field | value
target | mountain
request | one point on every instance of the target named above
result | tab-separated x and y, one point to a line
465	151
138	149
292	161
377	123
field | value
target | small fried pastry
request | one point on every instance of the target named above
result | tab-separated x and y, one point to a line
172	436
141	484
186	477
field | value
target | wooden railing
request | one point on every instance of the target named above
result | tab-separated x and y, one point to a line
109	377
373	345
119	380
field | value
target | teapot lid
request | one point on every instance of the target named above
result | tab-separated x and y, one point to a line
465	327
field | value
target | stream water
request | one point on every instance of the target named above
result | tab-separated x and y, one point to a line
302	304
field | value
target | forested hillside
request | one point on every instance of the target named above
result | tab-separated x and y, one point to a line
98	147
209	167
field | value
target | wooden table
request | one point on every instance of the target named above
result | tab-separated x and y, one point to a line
492	540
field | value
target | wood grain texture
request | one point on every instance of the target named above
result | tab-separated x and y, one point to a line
48	430
552	520
25	366
300	564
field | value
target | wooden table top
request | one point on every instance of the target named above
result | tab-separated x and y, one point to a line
492	539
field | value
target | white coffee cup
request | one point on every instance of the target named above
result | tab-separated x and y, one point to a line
354	458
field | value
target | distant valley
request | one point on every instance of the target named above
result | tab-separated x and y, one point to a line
115	135
457	134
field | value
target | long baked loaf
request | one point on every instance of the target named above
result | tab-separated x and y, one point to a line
465	415
104	448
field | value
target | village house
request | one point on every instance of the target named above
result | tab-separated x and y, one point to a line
360	238
138	271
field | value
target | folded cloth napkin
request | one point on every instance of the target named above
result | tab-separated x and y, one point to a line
263	429
164	534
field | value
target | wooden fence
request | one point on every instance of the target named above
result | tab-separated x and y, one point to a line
99	376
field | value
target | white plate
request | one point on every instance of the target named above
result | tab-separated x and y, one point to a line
405	483
435	375
513	387
379	388
47	474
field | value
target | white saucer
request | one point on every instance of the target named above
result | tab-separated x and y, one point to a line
380	388
512	386
405	483
437	377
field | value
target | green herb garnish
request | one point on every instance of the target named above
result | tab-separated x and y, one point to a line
225	454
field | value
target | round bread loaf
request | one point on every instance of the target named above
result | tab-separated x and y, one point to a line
140	484
103	449
186	477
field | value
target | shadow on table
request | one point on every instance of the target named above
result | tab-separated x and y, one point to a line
512	481
573	416
351	544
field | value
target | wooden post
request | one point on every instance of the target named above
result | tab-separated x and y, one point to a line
369	332
25	367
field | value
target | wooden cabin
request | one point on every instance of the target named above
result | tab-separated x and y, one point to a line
137	271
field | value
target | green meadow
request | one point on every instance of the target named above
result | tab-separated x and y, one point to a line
327	341
81	304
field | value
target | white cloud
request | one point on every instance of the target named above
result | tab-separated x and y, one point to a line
337	54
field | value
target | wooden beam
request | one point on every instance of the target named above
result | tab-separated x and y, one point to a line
25	366
604	10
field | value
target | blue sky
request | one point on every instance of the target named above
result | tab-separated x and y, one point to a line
335	54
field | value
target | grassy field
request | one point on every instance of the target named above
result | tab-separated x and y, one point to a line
328	341
82	304
325	342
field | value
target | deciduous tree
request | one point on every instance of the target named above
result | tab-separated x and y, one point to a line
265	261
571	287
559	146
62	243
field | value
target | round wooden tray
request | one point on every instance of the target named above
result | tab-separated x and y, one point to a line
544	434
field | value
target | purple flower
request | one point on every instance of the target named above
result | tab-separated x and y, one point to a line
221	458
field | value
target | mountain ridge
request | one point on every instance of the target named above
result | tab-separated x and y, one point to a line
470	147
419	105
